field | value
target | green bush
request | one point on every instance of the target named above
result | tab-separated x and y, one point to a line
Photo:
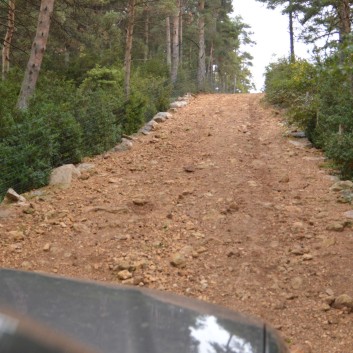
154	91
319	99
26	154
66	132
133	116
101	130
339	148
64	123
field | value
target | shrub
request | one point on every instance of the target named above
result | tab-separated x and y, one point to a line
339	148
133	115
94	112
65	131
26	154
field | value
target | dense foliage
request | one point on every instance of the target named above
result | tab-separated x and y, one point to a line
318	98
318	95
92	87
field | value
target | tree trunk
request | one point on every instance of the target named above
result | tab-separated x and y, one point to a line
37	53
291	36
344	26
201	72
8	38
168	43
343	10
210	64
175	47
147	33
181	28
128	47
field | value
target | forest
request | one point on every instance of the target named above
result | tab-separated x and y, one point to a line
78	74
317	94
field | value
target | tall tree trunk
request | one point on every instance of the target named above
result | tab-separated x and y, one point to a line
181	29
201	72
37	53
344	26
291	36
168	43
147	33
175	47
128	46
8	38
210	63
343	10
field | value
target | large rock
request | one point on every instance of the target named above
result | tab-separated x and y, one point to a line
162	116
151	125
125	145
62	176
178	260
342	185
343	301
12	196
178	104
85	167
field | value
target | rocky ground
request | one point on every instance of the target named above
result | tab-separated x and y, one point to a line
215	203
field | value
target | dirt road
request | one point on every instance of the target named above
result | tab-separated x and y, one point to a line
216	204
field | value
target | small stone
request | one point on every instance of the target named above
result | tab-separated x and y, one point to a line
298	227
233	207
29	210
114	181
233	253
187	250
26	265
307	257
329	299
16	235
291	296
297	251
330	292
284	179
202	250
46	247
80	228
124	275
301	348
325	307
190	169
84	176
140	201
297	282
328	242
336	226
343	301
178	260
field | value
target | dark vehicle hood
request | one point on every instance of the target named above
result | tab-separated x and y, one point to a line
120	319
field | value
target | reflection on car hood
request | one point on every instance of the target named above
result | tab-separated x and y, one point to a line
120	319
